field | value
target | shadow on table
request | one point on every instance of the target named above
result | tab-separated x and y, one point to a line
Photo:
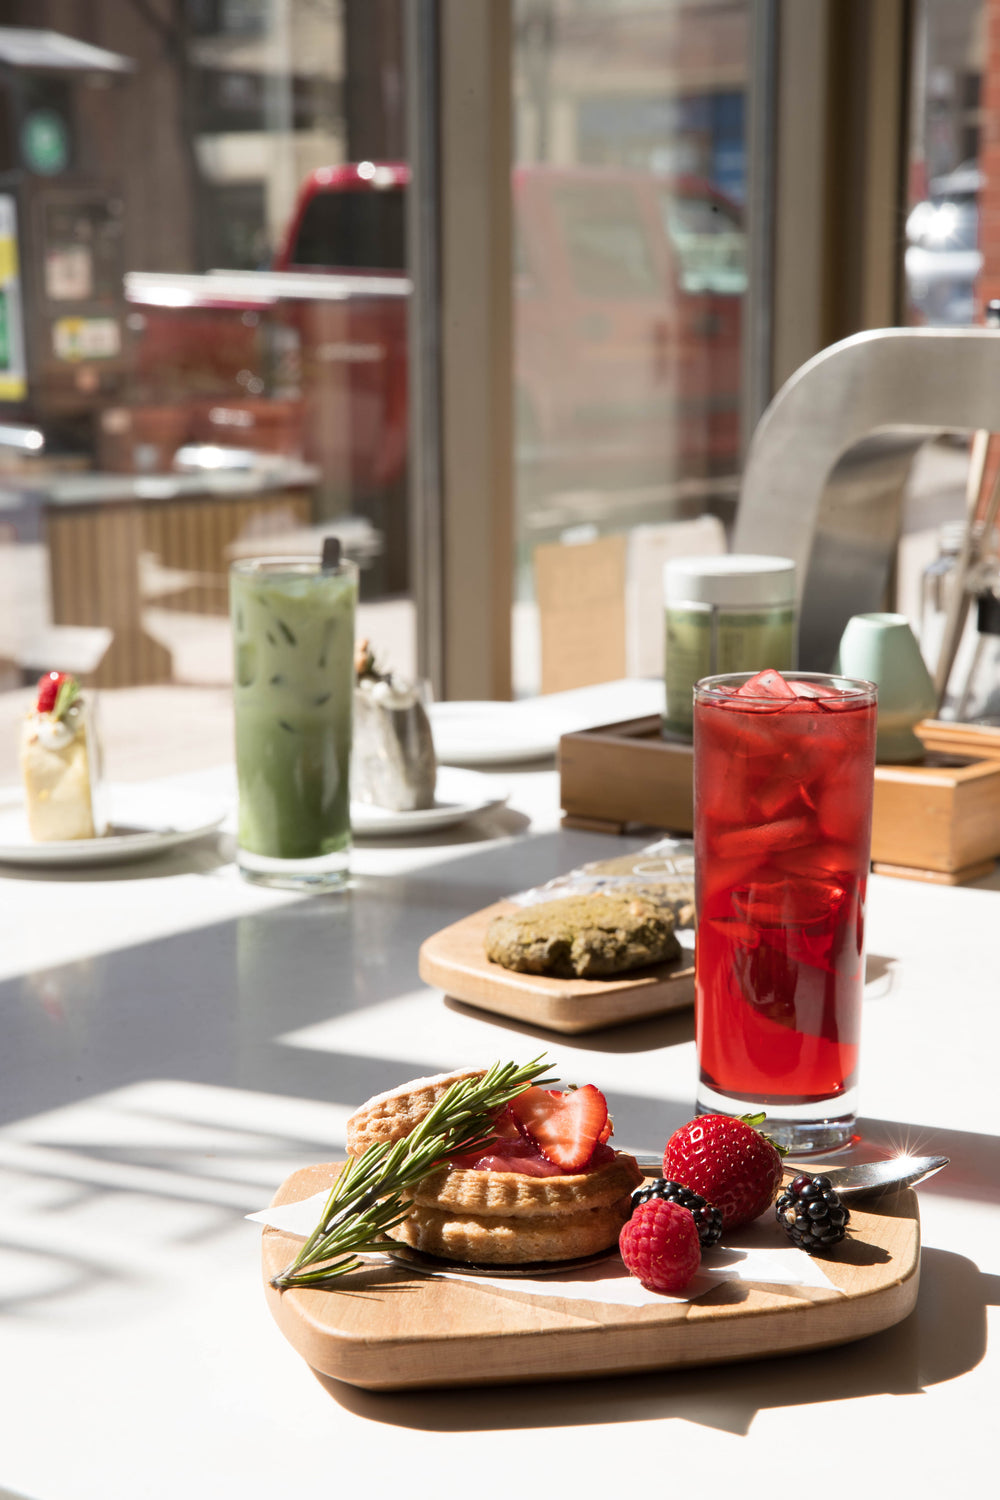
944	1337
650	1032
973	1171
636	1036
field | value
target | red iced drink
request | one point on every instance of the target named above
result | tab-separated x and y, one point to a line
783	784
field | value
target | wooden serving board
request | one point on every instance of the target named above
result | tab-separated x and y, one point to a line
386	1328
454	960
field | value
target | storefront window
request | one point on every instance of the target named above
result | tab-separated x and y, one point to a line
203	304
630	181
944	250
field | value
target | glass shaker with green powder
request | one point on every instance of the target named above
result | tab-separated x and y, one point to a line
732	613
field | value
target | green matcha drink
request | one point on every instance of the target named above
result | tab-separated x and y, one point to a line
293	633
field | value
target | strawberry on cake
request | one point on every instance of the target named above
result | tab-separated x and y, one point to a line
547	1187
60	763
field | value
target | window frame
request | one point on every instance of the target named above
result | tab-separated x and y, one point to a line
827	85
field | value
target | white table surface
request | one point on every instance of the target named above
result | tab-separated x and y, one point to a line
174	1042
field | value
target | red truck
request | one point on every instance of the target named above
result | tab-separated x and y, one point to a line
627	331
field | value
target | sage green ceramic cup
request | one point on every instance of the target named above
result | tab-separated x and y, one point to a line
883	649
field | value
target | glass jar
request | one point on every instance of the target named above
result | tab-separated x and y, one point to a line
734	613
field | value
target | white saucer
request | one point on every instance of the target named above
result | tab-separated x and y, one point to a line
143	821
459	795
486	733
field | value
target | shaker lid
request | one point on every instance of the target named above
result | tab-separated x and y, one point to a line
738	578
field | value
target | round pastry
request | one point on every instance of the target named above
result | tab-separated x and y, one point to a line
571	1199
514	1195
390	1116
512	1241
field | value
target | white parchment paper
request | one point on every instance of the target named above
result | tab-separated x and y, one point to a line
757	1253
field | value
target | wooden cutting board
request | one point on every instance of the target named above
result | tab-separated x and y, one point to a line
454	960
388	1329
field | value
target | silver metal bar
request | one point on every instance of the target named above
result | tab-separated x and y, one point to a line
825	471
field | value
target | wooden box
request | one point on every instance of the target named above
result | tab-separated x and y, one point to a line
936	821
975	741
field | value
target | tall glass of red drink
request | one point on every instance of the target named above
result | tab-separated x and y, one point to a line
783	780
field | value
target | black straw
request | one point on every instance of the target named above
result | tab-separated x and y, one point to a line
331	554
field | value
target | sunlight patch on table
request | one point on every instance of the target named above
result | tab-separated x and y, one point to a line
433	1038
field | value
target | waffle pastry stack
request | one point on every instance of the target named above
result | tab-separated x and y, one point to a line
511	1204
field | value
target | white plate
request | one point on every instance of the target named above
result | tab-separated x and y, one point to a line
487	733
494	733
459	795
144	820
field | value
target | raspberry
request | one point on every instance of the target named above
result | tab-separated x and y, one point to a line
707	1218
659	1245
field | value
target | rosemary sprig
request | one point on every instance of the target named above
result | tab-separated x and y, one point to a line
367	1198
69	692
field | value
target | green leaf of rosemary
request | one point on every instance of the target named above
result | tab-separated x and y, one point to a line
69	692
367	1199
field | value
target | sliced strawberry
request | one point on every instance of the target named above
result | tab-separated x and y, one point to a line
48	691
564	1127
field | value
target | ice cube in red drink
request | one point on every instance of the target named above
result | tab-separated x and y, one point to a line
766	684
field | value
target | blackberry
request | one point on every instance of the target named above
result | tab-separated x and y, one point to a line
707	1218
811	1214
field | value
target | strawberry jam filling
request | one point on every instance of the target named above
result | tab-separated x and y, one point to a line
546	1133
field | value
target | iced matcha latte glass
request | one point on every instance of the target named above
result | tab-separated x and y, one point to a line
293	635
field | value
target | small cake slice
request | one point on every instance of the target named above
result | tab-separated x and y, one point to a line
60	763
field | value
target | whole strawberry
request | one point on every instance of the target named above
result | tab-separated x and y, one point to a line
660	1246
727	1161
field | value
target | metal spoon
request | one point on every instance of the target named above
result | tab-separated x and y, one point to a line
853	1182
873	1177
